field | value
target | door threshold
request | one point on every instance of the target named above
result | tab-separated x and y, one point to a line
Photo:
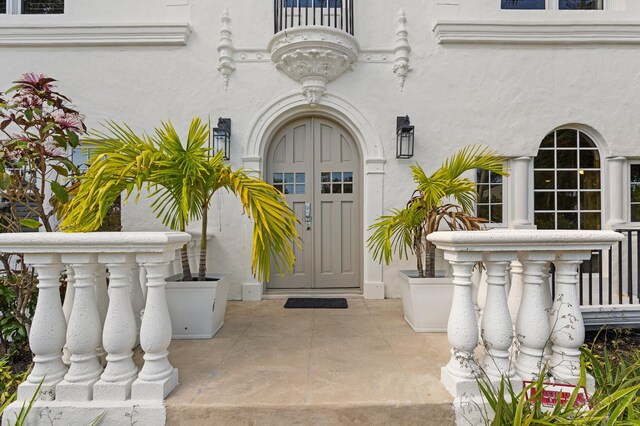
349	293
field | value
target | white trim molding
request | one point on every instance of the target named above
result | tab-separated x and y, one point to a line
38	35
527	33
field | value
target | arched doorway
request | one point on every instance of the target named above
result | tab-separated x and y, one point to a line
315	162
567	182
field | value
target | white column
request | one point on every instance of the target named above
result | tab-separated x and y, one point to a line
519	191
83	333
497	329
566	318
532	325
119	334
616	201
373	286
47	334
157	378
515	291
67	307
462	329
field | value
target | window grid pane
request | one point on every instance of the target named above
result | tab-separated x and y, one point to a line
3	6
294	183
634	192
567	195
489	203
341	183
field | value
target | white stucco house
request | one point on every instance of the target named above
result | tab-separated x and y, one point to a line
315	91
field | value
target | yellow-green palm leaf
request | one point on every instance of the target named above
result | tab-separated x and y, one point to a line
181	179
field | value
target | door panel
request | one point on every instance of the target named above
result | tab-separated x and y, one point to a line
288	170
324	156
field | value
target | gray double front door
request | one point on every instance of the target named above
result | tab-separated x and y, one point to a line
316	164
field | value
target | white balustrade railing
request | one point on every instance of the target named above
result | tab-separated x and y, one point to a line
83	350
547	333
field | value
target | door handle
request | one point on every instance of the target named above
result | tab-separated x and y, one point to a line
307	215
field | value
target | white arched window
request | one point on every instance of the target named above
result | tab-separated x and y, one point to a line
567	184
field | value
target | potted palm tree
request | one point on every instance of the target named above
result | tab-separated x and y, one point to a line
181	180
426	297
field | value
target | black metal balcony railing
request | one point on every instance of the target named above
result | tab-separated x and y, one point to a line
297	13
610	277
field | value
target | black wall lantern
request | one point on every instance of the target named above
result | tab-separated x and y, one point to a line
405	140
222	137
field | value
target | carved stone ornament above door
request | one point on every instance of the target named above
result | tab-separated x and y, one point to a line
314	56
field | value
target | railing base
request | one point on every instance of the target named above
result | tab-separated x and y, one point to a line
82	413
456	385
104	391
143	390
26	391
66	391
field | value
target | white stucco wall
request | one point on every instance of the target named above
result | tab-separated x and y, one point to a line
508	96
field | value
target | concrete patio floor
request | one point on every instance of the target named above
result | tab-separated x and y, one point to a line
270	366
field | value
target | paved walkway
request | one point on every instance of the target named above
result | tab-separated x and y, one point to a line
270	365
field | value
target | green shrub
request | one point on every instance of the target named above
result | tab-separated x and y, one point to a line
9	381
616	400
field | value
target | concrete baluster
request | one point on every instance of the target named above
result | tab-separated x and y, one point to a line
566	318
119	333
142	277
532	325
157	377
67	307
548	303
137	297
102	301
462	329
83	333
47	334
497	329
515	290
481	298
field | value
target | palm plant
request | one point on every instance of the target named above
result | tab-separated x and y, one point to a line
405	230
182	180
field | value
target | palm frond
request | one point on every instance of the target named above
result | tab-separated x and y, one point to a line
398	234
181	179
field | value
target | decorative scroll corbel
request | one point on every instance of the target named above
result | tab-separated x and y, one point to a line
226	65
401	49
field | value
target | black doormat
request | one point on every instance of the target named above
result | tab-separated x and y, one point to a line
316	303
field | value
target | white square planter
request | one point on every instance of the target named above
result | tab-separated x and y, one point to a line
197	308
426	301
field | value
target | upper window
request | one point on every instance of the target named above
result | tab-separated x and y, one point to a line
523	4
551	4
32	7
490	196
311	3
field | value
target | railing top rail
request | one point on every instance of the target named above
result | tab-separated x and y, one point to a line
524	240
92	242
